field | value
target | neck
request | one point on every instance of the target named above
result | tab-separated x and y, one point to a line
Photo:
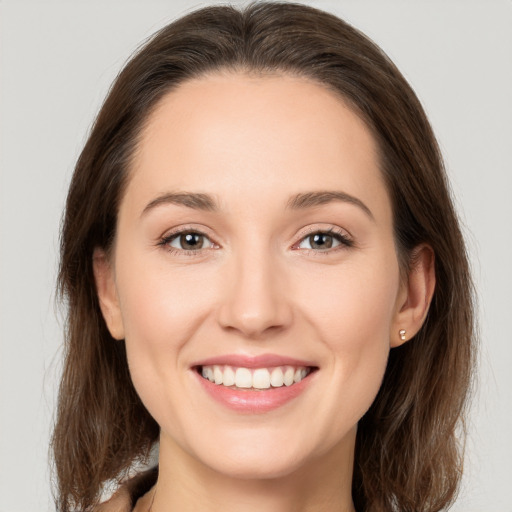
321	485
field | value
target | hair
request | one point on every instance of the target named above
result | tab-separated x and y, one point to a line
409	443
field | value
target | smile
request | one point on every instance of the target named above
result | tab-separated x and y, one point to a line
254	384
254	378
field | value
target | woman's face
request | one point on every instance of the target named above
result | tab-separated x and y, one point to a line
255	246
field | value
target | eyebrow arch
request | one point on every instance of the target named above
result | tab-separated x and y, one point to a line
195	201
312	199
205	202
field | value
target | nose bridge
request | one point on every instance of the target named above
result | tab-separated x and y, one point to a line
255	300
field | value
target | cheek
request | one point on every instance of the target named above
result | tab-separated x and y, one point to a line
352	305
160	304
352	313
161	311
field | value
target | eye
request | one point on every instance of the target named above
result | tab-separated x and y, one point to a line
187	241
324	241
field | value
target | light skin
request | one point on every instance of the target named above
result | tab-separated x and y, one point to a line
258	166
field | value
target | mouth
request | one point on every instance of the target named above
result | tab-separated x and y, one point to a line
254	384
254	379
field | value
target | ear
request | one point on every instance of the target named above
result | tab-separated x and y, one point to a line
415	296
107	293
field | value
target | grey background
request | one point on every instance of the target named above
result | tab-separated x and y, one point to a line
57	61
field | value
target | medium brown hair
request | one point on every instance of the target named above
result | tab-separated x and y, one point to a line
408	456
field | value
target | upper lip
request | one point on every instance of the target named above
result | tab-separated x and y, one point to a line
248	361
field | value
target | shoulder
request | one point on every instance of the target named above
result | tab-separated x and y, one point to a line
129	492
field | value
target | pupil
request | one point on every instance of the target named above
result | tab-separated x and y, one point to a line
191	241
321	241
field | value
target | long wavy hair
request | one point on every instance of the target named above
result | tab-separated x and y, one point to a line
409	444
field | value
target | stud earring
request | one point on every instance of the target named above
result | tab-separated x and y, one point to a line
401	332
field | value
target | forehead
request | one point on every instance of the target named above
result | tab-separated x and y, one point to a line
234	131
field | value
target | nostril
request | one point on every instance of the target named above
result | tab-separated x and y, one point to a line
255	306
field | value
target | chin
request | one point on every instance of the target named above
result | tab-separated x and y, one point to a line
256	466
261	453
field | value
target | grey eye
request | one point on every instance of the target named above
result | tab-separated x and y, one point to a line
319	241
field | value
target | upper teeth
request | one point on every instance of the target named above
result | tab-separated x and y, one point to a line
258	378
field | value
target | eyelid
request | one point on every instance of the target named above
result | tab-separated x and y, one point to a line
169	235
342	235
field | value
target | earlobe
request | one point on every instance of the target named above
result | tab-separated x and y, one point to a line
415	297
107	293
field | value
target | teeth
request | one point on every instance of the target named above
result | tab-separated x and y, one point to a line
277	378
261	379
288	376
258	378
208	373
228	377
243	378
217	375
299	374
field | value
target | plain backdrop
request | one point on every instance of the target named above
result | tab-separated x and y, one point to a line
57	61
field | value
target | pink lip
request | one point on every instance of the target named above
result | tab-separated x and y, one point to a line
261	361
252	401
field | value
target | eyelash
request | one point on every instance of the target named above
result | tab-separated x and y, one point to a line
166	241
338	235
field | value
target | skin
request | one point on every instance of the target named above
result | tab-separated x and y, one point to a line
257	286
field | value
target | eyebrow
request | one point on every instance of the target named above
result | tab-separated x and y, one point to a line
195	201
312	199
206	202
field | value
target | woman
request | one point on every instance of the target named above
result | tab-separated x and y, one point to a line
265	274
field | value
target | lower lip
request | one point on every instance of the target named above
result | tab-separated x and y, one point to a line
252	401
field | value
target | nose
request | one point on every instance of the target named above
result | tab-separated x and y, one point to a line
255	301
